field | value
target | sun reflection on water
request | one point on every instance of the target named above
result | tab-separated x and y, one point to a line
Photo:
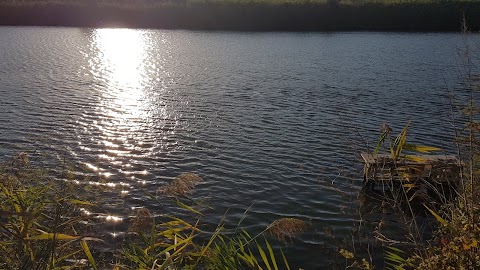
123	52
130	122
121	62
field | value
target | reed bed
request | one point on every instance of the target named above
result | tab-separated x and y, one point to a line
42	227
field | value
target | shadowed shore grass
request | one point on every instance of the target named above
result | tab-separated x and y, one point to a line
42	227
249	15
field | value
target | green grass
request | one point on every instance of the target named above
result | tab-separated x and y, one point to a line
37	230
41	227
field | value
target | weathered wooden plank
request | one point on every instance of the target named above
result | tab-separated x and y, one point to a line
370	159
433	168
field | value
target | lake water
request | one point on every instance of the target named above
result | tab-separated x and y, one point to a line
269	120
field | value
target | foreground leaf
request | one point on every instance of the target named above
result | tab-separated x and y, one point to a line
79	202
50	236
84	245
420	148
439	218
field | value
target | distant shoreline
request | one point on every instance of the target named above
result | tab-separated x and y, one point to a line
241	16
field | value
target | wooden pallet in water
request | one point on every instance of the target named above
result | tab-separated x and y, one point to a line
436	169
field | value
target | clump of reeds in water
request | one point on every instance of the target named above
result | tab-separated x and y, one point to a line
17	164
287	228
181	185
142	222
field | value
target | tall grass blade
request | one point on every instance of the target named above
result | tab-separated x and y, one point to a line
246	233
255	261
171	247
51	236
394	260
285	260
272	256
381	139
439	218
264	256
400	141
205	248
393	257
184	206
70	255
85	248
80	202
396	250
243	217
177	251
420	148
409	186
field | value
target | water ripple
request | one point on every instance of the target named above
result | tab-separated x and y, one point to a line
274	119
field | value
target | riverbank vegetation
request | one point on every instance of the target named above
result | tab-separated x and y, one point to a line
454	208
456	244
44	224
250	15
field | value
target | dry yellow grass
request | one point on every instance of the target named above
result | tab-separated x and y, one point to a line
181	185
287	228
142	221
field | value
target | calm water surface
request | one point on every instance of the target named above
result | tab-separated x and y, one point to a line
272	120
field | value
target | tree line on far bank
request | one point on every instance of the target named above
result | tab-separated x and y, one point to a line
247	15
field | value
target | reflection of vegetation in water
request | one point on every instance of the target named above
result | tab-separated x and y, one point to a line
42	227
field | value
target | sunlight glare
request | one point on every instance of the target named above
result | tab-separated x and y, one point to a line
123	52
